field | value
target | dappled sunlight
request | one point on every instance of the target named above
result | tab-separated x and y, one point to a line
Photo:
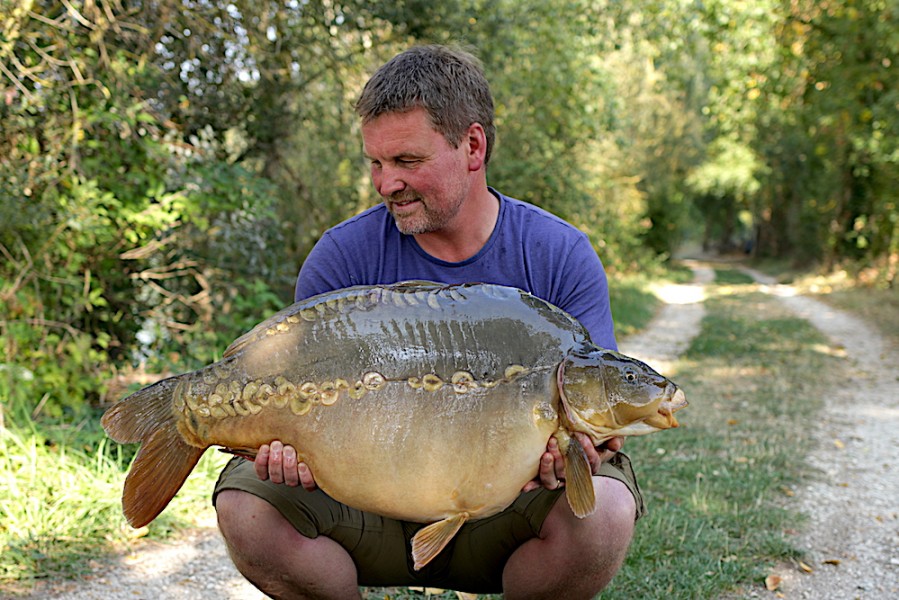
886	413
681	294
837	351
780	290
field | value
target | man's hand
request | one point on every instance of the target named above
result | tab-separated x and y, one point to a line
278	462
552	465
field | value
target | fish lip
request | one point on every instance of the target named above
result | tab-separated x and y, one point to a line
678	401
668	407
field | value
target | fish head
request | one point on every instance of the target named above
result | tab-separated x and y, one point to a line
607	394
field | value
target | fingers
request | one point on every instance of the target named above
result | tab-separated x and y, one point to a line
279	463
598	455
614	444
551	473
552	466
306	478
260	465
594	456
289	466
546	475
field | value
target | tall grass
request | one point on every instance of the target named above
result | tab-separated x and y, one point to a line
60	504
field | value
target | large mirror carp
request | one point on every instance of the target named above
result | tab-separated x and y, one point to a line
417	401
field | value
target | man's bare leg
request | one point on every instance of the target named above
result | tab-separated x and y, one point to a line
276	558
574	558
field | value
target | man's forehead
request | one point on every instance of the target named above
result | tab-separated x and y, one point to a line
399	133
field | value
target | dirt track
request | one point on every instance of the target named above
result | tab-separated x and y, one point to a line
853	536
852	539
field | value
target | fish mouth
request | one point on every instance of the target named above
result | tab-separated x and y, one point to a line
668	407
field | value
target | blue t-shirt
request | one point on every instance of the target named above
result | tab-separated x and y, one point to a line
529	248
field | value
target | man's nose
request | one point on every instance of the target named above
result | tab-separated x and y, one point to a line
389	181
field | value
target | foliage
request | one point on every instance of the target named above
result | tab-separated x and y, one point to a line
165	166
831	195
113	226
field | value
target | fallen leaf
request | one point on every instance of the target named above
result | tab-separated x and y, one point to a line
805	567
772	582
839	444
732	421
787	491
832	561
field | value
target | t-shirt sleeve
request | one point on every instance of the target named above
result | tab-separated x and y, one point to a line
325	269
585	294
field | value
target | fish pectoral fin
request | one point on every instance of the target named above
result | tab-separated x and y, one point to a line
430	540
579	481
247	453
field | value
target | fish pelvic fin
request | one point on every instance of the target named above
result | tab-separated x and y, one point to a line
578	478
247	453
430	540
165	459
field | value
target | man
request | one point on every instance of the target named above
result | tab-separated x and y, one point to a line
427	129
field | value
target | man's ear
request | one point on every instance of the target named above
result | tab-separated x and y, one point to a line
476	140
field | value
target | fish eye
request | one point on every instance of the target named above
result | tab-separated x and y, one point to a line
630	376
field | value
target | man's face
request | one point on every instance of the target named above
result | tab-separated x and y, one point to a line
421	177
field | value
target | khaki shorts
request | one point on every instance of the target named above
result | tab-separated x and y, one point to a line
380	547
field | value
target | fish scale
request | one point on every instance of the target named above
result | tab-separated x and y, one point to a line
416	401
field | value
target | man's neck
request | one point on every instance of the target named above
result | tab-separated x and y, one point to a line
468	232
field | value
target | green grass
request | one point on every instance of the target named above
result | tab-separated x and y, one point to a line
56	503
731	277
60	507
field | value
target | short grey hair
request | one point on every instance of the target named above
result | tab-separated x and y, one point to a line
447	82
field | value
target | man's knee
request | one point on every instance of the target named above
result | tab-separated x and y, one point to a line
616	505
245	520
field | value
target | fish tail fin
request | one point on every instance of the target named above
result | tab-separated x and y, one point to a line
430	540
165	459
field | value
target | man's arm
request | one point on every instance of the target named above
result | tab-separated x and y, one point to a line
584	294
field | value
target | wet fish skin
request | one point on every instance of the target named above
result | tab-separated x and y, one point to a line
417	401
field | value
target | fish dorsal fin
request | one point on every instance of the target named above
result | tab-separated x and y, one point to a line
417	284
430	540
258	332
350	294
578	480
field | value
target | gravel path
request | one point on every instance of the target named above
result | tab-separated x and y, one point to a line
852	539
195	566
